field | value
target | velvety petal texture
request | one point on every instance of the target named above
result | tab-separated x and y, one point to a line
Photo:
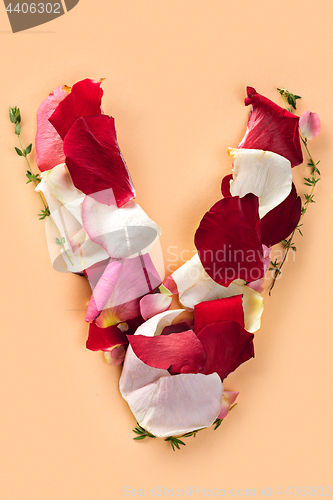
95	162
195	286
176	352
263	173
215	311
228	240
83	99
272	128
280	222
227	346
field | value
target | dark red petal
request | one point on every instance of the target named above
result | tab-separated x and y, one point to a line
177	328
272	128
83	100
280	222
101	339
228	240
177	352
227	345
225	186
215	311
95	161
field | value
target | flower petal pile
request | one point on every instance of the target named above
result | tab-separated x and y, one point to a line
174	368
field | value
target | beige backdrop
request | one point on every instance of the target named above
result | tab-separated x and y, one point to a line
176	73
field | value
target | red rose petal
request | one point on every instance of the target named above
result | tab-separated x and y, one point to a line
229	242
101	339
272	128
227	345
215	311
184	326
280	222
95	161
176	352
225	186
83	100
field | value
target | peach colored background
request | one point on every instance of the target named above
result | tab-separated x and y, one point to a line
176	74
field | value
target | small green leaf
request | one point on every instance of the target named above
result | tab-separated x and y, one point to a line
60	242
163	289
18	151
217	423
28	149
45	213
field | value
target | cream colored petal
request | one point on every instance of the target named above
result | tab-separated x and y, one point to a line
263	173
195	286
82	252
123	232
61	185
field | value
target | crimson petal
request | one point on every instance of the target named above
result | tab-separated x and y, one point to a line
102	339
225	186
227	345
215	311
280	222
272	128
83	100
228	240
95	161
176	352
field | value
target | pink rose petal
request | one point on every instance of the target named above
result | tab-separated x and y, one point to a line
171	285
258	284
154	304
49	144
115	356
309	125
104	289
228	399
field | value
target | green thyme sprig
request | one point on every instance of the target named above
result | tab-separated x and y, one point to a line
290	98
174	441
15	118
310	181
